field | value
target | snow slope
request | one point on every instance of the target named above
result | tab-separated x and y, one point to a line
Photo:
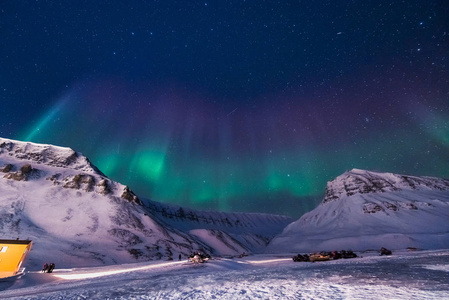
76	216
226	233
367	210
404	275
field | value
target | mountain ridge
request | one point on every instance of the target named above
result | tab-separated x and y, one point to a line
48	154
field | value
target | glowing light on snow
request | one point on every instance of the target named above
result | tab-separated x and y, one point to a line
113	272
268	261
79	276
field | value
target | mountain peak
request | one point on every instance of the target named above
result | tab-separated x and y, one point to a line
48	155
357	181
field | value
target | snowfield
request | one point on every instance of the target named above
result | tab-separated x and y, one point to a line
404	275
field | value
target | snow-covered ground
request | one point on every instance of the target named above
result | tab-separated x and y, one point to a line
404	275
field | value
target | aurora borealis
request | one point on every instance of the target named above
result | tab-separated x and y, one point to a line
231	105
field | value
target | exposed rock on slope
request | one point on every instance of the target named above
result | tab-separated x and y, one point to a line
25	172
366	210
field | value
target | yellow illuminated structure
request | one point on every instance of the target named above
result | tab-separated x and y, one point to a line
12	254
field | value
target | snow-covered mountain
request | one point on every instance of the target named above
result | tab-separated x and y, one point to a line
367	210
76	216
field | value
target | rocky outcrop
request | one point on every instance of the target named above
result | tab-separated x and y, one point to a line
81	181
386	206
26	172
130	196
104	187
7	168
86	182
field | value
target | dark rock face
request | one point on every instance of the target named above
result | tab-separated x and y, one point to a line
364	182
7	168
84	181
371	208
385	206
104	187
130	196
25	172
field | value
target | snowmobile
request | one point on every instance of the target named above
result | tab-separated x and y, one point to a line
300	257
319	257
198	257
335	255
385	251
348	254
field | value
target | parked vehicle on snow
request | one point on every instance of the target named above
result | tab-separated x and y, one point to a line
198	257
300	257
319	257
385	251
323	256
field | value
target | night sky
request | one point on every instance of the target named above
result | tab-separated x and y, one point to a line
231	105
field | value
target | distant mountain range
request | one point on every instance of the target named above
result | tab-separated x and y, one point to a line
77	216
368	210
